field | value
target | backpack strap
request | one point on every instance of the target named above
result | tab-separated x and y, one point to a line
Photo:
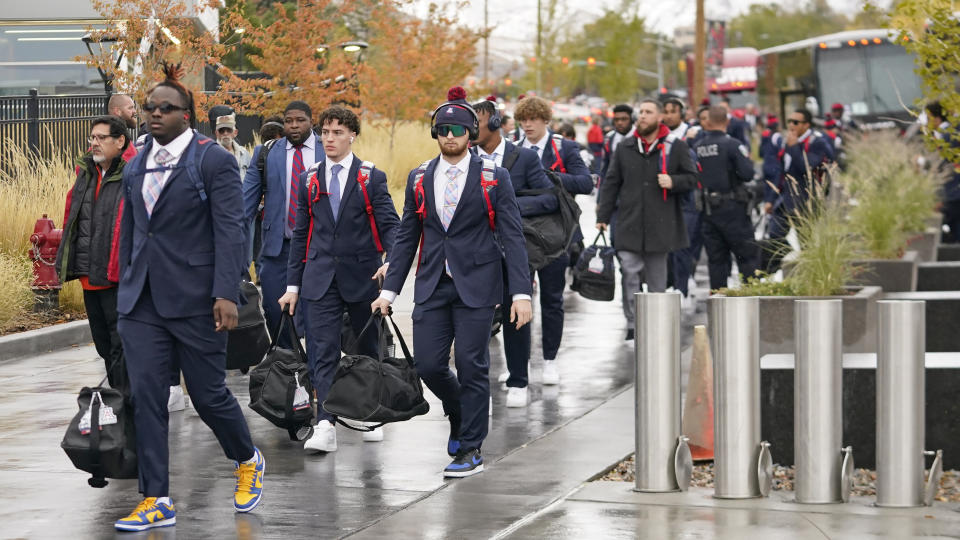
201	143
558	164
262	164
313	195
488	181
421	200
664	147
363	178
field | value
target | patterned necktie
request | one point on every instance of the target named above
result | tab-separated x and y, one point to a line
295	171
492	157
154	182
334	188
449	197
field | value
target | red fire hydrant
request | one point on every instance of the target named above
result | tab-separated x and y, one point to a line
46	284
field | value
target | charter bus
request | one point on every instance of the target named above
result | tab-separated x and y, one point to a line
736	80
868	71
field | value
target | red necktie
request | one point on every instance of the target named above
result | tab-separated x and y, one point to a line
295	171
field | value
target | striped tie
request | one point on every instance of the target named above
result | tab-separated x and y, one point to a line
449	205
295	171
155	180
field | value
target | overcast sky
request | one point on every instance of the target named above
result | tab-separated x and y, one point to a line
515	21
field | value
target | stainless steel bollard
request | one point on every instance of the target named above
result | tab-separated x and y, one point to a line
658	407
901	343
818	400
739	458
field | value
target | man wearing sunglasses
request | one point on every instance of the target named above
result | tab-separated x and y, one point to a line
461	211
803	160
226	127
88	250
181	252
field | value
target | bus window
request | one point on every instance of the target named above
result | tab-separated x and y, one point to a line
842	78
892	79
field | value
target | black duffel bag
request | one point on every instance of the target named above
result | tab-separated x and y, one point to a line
595	273
348	338
101	438
250	340
376	390
280	387
548	236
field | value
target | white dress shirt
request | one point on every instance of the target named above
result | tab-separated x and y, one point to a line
440	181
498	152
175	148
346	163
527	143
308	152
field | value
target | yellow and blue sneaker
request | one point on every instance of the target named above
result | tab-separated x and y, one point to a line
249	489
151	512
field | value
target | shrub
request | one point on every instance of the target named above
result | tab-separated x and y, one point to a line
16	297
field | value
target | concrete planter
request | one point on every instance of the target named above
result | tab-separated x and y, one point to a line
948	253
938	276
891	275
925	244
859	321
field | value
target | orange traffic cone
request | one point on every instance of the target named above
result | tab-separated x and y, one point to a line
698	407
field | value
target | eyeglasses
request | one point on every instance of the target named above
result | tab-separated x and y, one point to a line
164	107
99	138
446	129
793	122
225	130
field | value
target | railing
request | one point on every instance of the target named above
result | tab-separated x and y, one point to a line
49	124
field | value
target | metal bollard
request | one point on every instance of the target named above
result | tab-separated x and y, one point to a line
662	458
742	463
818	401
901	344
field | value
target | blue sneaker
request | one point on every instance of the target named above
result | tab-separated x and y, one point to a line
249	488
467	463
453	442
147	515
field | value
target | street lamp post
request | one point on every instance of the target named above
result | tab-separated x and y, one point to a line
239	32
89	39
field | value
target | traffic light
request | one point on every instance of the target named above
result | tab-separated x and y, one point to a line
591	61
508	82
565	60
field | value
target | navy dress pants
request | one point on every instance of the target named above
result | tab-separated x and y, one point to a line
553	279
273	283
323	320
728	230
516	345
436	323
149	343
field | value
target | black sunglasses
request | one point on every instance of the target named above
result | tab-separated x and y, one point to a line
164	107
446	129
793	122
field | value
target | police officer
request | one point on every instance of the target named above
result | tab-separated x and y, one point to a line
725	167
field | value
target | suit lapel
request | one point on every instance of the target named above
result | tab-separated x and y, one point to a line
429	197
136	183
322	204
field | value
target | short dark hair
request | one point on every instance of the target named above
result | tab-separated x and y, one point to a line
272	128
935	109
807	117
623	108
117	127
702	109
345	116
655	102
485	106
173	75
676	102
567	130
717	116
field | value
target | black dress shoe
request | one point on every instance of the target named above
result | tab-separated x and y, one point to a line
629	335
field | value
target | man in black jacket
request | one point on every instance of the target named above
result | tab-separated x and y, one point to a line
89	248
647	176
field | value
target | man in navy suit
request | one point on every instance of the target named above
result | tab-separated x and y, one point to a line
336	255
287	160
462	212
526	173
181	256
563	158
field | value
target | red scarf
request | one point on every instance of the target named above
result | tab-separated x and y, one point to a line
662	132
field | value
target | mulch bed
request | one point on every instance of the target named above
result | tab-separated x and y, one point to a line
32	320
863	482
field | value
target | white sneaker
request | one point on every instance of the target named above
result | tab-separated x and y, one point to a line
551	375
503	377
517	397
176	401
324	438
372	436
490	408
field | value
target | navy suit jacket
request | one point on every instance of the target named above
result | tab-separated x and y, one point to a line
577	179
190	251
343	249
740	130
275	204
814	151
525	174
476	256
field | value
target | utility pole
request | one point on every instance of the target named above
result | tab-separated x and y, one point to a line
486	43
660	65
700	45
539	60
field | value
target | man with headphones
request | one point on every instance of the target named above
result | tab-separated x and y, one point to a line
526	173
623	127
462	213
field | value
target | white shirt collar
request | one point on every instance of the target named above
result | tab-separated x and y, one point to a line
309	143
527	143
175	147
346	163
463	165
499	151
805	135
681	131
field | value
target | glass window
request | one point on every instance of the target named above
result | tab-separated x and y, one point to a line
893	82
42	57
842	78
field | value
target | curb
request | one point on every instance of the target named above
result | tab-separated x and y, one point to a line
44	340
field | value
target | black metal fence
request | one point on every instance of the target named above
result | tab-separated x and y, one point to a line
49	124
